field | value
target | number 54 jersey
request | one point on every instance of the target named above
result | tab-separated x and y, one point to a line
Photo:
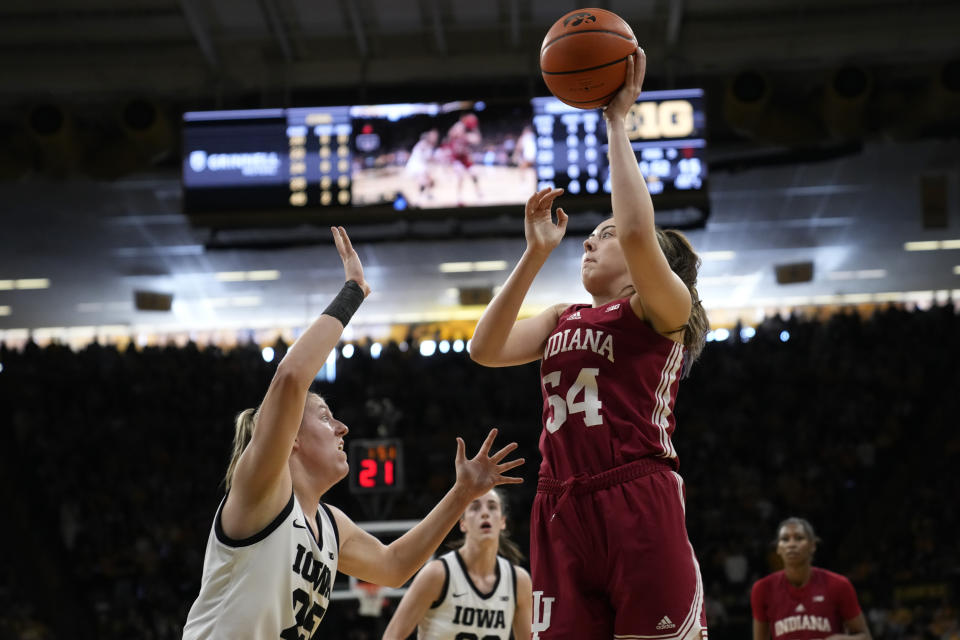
609	383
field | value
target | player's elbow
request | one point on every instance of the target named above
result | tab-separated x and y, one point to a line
480	354
298	372
396	579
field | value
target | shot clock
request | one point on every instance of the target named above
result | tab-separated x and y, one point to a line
376	465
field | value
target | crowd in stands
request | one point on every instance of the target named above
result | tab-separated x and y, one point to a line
113	460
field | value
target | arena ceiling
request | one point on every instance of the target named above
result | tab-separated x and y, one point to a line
97	236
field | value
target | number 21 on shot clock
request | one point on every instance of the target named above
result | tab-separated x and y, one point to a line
376	464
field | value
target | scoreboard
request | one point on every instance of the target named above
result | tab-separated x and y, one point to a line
387	159
667	130
267	158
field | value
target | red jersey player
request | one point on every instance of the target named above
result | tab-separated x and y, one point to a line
609	550
803	602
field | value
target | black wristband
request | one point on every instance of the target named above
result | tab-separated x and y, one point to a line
346	303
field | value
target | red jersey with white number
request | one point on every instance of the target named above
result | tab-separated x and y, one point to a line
815	610
609	383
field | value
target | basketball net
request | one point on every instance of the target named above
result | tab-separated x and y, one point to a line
368	595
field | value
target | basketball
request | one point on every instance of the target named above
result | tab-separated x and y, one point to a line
583	58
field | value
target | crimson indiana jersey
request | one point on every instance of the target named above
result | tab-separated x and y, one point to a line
609	382
816	610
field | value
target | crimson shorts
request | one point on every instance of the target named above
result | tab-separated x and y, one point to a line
610	557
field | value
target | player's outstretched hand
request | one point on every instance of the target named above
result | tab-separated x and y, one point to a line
484	471
352	269
621	103
542	233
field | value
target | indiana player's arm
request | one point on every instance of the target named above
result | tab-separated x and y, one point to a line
500	340
761	630
662	297
758	598
423	592
856	629
523	616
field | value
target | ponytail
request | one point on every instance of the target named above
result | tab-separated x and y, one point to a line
685	263
243	432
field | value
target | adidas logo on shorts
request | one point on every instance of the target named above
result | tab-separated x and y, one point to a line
665	623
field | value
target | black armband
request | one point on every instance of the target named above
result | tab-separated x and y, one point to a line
346	303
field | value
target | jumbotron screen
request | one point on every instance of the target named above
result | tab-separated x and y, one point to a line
431	156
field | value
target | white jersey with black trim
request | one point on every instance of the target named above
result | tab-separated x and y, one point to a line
462	612
275	584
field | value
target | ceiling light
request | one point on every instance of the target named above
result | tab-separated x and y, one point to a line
490	265
926	245
717	255
231	276
455	267
932	245
466	267
4	310
32	283
266	274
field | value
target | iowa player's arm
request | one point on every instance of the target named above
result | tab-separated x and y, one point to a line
523	616
363	556
262	483
425	589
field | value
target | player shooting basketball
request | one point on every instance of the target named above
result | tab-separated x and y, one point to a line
609	550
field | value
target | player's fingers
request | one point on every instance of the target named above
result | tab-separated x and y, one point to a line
547	201
346	240
337	240
512	464
641	69
561	219
500	455
488	442
509	480
461	450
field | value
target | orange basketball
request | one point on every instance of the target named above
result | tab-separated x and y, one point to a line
583	58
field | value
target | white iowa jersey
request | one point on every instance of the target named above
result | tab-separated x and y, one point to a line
275	584
462	612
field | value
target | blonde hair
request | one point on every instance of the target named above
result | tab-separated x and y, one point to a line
244	425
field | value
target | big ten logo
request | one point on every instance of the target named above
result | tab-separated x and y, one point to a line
651	120
541	619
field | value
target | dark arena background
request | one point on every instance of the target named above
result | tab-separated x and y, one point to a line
169	170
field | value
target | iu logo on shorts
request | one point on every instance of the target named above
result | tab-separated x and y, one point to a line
541	622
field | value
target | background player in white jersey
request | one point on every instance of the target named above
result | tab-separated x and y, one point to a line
804	602
274	548
476	592
610	556
419	164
